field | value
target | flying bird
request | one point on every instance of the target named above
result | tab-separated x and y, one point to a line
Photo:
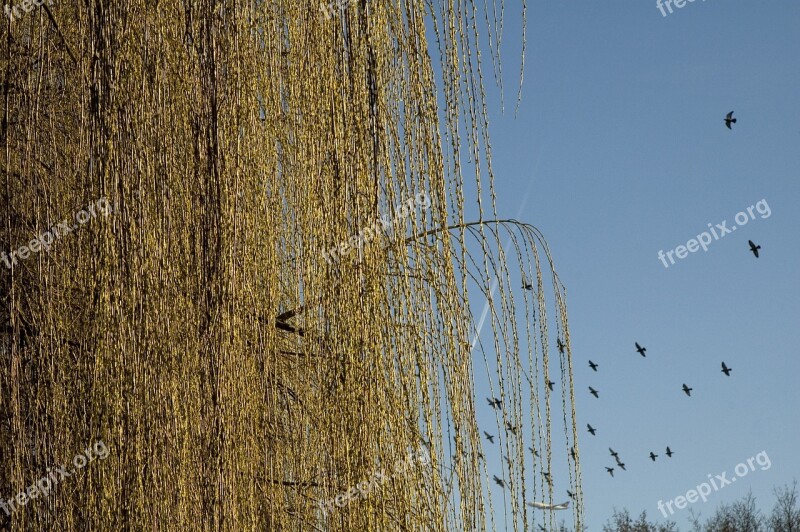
572	452
499	482
593	392
571	495
726	370
550	385
534	451
653	456
511	428
547	476
527	286
489	437
613	453
621	465
543	529
591	429
593	365
640	349
494	402
610	471
546	506
687	390
508	461
754	248
669	452
560	346
729	120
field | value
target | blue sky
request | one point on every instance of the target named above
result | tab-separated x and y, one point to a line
620	134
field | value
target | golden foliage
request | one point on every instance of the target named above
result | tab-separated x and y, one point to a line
237	376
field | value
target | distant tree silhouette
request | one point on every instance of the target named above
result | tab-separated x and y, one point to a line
621	521
785	515
739	516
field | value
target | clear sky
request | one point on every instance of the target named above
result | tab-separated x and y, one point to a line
621	136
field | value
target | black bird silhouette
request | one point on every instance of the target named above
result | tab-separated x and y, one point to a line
687	390
613	453
593	365
543	529
527	286
640	349
726	370
560	346
729	120
547	476
508	461
669	453
550	385
591	429
511	428
610	471
499	481
534	451
494	402
489	437
653	456
593	392
754	248
621	465
572	452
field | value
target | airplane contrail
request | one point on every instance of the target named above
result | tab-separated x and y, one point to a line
505	246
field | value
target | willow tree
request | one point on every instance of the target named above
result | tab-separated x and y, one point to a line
280	310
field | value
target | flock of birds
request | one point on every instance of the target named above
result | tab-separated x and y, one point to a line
495	402
686	389
729	119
